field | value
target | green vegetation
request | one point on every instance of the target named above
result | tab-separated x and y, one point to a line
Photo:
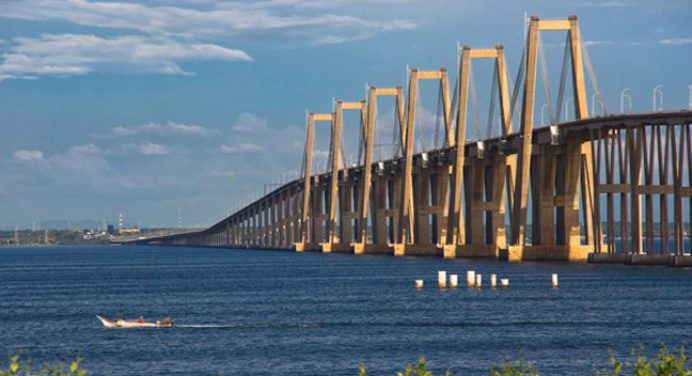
507	368
419	370
664	363
19	368
511	367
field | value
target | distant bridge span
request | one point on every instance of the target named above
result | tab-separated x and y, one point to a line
613	186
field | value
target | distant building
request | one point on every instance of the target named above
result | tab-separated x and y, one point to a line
126	231
110	230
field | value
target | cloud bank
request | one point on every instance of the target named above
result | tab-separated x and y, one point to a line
76	54
170	128
155	39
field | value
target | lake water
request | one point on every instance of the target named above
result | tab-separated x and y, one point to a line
282	313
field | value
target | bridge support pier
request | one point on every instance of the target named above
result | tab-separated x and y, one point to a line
430	215
485	197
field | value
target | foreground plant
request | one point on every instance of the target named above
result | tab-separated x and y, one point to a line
663	363
19	368
517	367
418	370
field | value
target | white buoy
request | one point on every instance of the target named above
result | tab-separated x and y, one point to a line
470	278
493	280
554	280
419	283
453	281
504	282
479	281
442	279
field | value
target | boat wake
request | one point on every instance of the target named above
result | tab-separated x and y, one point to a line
212	326
246	326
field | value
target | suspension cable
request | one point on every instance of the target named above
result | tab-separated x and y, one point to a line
302	163
330	156
421	137
493	95
563	78
546	81
344	162
396	132
592	77
455	107
517	84
361	140
376	133
474	103
436	132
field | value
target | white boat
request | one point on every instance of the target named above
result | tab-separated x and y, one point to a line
120	323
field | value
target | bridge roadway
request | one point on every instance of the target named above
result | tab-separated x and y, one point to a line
623	146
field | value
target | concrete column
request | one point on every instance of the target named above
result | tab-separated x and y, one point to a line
476	192
379	208
422	205
498	198
345	234
545	235
318	215
442	177
572	228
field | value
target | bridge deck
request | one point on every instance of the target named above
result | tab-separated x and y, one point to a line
580	131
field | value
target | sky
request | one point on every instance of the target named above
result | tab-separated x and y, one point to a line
157	107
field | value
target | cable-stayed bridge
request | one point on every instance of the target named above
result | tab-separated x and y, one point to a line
613	188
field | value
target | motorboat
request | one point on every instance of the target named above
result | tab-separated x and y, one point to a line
139	323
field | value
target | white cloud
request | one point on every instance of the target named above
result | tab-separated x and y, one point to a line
171	34
134	130
676	41
87	160
309	4
247	122
86	149
590	43
170	128
125	172
78	54
239	148
607	4
225	19
183	129
587	43
28	156
150	148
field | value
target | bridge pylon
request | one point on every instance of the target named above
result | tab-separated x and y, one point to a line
419	232
558	173
483	233
373	237
312	216
339	229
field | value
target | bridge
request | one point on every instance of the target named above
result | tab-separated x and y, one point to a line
610	188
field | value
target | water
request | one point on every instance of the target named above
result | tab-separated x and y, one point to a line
282	313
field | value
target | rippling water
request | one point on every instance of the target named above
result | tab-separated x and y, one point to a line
282	313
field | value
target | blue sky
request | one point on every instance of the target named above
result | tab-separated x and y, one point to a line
139	108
